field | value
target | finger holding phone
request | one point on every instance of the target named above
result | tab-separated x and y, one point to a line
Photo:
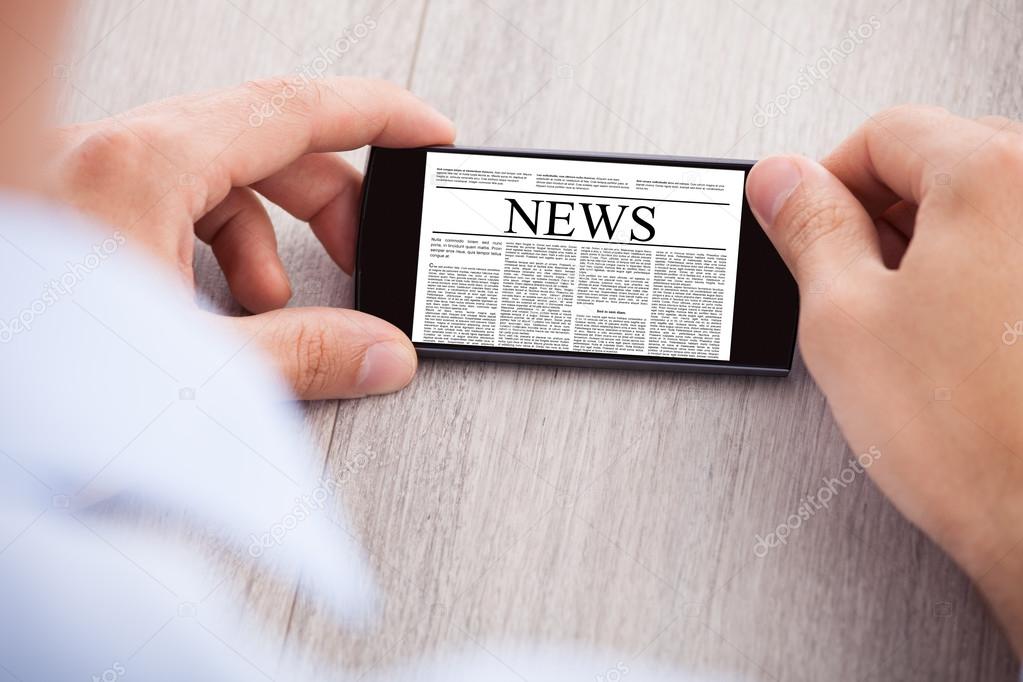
906	244
193	166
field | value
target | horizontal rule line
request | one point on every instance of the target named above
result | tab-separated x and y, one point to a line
581	241
583	196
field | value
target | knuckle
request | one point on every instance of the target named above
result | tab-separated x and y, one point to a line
174	165
67	137
317	361
995	168
145	155
347	91
310	98
373	118
104	151
892	123
268	87
384	87
283	94
181	162
114	160
1003	151
811	219
294	98
909	112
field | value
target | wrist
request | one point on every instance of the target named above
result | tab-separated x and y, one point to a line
964	488
980	525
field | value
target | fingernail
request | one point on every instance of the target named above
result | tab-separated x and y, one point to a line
386	367
770	184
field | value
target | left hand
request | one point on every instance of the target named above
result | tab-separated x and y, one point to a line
192	166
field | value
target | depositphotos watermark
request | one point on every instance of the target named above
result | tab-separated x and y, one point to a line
615	674
815	72
307	505
111	674
1012	333
74	274
312	70
811	504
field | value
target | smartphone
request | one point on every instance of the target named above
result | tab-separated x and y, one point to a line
571	258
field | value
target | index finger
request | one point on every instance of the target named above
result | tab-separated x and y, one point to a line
240	136
901	153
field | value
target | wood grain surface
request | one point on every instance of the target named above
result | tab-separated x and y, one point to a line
601	509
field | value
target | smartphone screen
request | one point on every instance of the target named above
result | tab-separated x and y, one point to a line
575	259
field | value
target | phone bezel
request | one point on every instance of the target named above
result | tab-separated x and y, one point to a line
385	276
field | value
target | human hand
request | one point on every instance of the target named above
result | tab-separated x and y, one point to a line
192	166
906	246
179	478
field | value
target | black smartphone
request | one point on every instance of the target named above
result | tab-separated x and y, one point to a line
571	258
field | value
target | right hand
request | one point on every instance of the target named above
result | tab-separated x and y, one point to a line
907	245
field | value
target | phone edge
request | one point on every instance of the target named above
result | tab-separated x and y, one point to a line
534	358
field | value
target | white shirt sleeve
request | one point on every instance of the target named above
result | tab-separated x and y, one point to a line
122	407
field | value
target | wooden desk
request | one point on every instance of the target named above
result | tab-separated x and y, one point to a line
607	509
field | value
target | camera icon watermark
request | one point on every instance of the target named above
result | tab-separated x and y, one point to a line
111	674
565	500
1012	332
817	286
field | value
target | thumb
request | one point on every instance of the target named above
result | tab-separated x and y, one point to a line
333	352
813	220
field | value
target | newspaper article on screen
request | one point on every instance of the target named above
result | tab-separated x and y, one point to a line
580	256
